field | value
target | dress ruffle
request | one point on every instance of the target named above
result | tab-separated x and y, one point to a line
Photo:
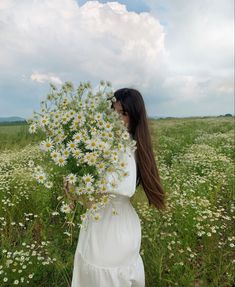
124	276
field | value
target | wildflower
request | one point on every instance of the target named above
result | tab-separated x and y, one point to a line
32	128
91	144
72	178
61	160
125	135
108	126
65	208
71	145
31	163
77	137
88	179
38	169
97	216
66	152
31	276
77	153
48	184
46	145
122	164
41	177
89	189
114	158
44	121
55	154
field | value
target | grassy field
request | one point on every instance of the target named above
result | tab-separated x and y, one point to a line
191	244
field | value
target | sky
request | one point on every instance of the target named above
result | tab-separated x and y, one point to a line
177	53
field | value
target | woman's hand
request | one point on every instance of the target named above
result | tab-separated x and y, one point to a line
73	197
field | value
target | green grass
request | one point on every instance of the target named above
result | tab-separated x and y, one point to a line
15	136
191	244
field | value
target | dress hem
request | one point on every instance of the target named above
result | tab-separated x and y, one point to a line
131	264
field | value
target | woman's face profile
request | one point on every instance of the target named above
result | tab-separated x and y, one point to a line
124	115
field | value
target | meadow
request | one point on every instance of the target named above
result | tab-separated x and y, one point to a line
190	244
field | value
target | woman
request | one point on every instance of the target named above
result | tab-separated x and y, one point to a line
107	253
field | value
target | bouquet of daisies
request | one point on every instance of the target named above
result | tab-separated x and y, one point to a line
84	138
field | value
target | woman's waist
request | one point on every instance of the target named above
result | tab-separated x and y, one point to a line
119	198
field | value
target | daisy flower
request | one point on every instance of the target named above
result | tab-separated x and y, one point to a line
88	179
64	120
60	131
77	137
114	183
101	145
94	207
122	164
48	184
71	145
89	189
108	126
44	121
101	166
55	154
97	216
105	199
100	124
61	160
71	113
91	144
125	135
114	158
98	116
46	145
77	153
31	163
79	116
38	169
41	177
65	208
72	178
110	136
83	216
126	173
103	188
65	152
32	128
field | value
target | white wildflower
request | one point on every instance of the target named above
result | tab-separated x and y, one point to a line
65	208
32	128
72	178
88	179
46	145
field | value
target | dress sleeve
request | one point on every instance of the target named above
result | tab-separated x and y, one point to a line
124	185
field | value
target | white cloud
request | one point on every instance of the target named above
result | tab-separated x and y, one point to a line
200	52
42	78
185	61
95	40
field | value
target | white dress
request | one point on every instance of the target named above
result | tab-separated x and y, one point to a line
107	253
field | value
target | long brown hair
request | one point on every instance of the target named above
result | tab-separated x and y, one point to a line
147	172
